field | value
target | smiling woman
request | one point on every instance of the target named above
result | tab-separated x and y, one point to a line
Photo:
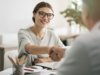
38	40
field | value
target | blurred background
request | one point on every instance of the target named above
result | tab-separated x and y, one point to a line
16	14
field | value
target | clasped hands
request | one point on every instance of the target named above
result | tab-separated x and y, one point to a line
56	53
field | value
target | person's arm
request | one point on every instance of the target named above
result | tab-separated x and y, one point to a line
25	44
56	53
76	61
33	49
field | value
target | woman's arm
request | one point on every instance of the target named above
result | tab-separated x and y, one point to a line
34	49
26	44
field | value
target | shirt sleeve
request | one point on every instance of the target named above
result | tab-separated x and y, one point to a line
58	40
76	61
23	39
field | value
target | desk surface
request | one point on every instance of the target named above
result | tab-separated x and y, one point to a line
36	71
43	72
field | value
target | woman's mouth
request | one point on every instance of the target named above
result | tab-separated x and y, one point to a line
43	22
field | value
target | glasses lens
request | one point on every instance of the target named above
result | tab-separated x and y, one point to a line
50	15
43	14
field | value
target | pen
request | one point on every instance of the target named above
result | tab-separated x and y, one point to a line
28	70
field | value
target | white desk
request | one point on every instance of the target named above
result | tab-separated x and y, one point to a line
6	72
43	72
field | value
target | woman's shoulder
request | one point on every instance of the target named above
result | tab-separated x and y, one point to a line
24	30
50	30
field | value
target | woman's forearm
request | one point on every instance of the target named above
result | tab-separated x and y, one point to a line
33	49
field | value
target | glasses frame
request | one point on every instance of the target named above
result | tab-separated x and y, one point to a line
42	14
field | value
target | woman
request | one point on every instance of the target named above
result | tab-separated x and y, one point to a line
37	40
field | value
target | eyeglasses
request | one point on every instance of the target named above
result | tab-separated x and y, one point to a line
43	14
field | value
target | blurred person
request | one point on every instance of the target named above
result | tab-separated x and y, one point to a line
84	56
37	40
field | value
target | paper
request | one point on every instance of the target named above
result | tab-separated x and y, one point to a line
33	69
49	65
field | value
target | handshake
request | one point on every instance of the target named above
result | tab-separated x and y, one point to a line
56	53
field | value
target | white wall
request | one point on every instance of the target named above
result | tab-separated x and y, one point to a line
16	14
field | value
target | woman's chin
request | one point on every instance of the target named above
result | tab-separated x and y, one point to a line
43	25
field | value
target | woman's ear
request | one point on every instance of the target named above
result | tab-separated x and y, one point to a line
86	17
34	14
33	18
88	20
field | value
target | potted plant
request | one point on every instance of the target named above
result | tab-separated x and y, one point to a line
73	14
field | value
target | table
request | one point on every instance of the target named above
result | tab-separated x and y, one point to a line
48	69
43	72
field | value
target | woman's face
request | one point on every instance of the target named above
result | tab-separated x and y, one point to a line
43	17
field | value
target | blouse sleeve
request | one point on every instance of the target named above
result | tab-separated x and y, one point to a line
58	40
23	39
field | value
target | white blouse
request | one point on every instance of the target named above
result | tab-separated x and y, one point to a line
27	36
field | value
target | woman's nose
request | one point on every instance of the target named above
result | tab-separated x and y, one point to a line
45	17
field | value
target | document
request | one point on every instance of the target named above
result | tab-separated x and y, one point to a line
49	65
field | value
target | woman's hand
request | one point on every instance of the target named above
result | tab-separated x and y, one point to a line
42	60
56	53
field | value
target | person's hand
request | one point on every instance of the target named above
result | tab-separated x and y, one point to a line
42	60
56	53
